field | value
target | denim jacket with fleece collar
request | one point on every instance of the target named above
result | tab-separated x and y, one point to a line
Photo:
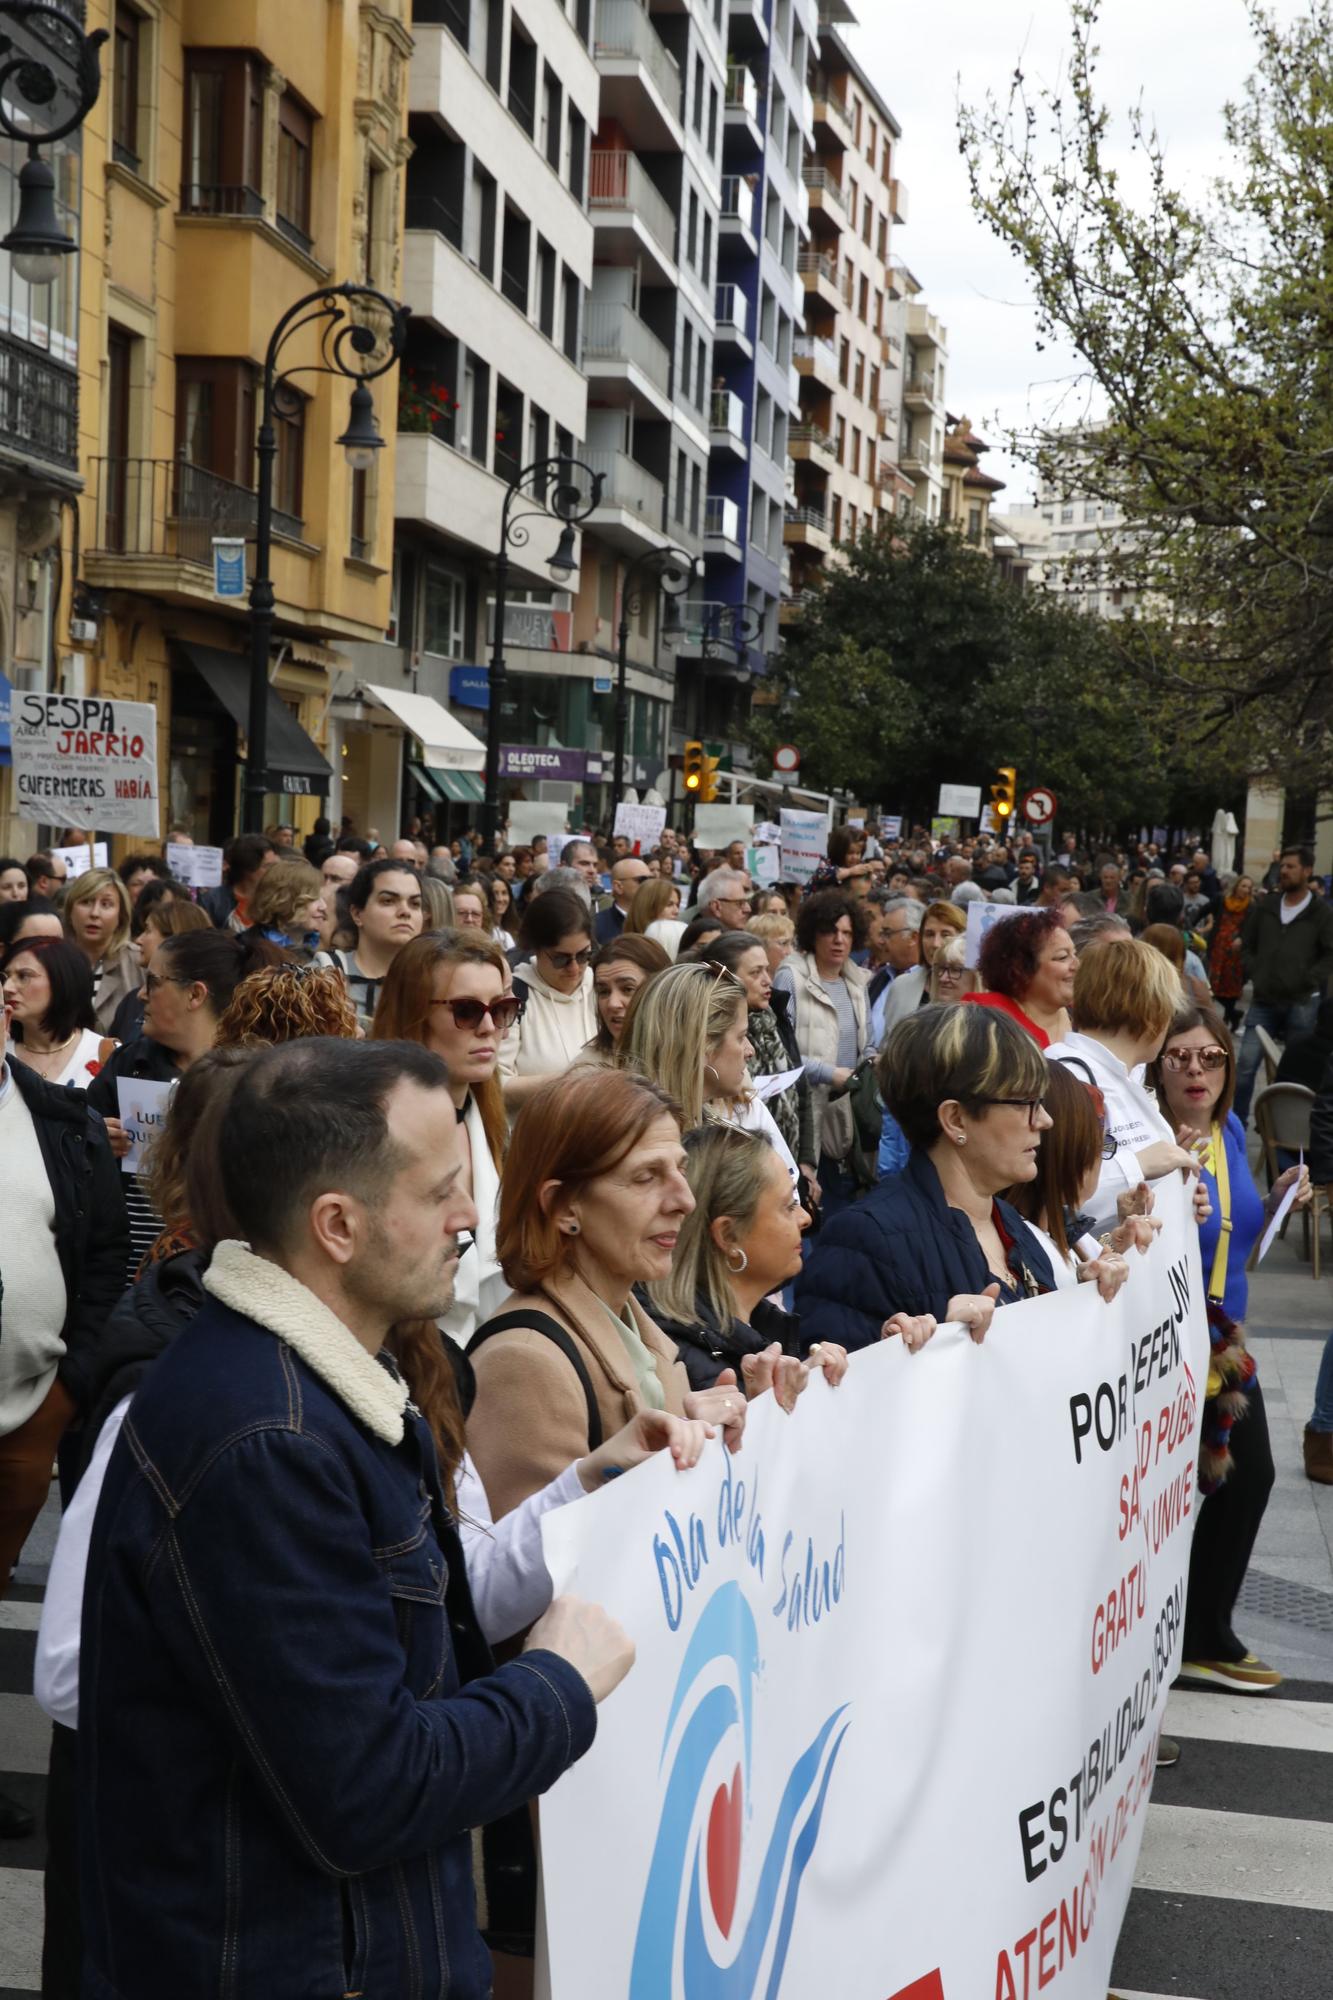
290	1721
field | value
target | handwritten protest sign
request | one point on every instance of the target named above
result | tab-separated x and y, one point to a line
197	867
142	1111
822	1776
804	839
981	918
716	826
86	761
641	826
78	860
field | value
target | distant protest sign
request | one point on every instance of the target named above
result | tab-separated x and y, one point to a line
86	760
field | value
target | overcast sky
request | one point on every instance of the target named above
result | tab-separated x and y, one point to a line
1186	57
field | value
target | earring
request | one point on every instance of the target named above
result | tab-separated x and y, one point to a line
960	1138
571	1229
710	1071
744	1264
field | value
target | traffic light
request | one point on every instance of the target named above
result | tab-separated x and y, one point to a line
1004	796
695	768
708	783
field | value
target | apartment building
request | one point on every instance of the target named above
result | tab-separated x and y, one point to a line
851	355
969	490
240	156
1070	540
924	416
39	447
496	264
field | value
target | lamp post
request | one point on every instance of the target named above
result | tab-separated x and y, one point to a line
674	571
37	242
359	351
570	504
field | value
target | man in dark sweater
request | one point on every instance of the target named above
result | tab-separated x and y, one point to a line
1287	944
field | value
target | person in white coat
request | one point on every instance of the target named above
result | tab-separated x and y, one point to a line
1125	998
450	991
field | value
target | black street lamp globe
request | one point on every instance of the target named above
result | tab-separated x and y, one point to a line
361	440
562	564
37	243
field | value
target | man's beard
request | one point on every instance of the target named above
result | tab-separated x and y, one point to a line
378	1281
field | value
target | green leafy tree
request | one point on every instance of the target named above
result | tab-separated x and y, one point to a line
1206	331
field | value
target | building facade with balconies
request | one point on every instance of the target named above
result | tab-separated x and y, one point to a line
924	418
39	443
849	358
239	157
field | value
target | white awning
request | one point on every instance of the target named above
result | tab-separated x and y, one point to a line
447	746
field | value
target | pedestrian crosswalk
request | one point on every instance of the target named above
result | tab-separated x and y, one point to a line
1234	1893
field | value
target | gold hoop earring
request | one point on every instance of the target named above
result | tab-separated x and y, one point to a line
744	1264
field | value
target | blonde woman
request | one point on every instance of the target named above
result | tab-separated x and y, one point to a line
688	1031
777	934
654	900
97	914
288	910
951	977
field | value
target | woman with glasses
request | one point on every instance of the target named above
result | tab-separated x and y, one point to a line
555	984
1195	1079
186	991
941	924
938	1239
1126	996
450	993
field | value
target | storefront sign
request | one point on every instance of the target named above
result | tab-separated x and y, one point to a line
470	687
537	760
228	566
86	761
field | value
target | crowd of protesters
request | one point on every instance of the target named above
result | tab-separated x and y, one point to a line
483	1179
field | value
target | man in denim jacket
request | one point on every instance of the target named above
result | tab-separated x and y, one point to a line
289	1720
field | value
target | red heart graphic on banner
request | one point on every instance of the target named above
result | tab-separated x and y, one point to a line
724	1852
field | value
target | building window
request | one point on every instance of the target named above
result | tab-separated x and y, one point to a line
443	610
295	134
223	143
125	89
361	535
215	417
289	471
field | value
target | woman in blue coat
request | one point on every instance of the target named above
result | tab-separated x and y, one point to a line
1195	1081
966	1086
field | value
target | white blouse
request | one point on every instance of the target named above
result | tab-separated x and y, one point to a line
1133	1119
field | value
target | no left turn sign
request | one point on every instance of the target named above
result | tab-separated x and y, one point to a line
1039	806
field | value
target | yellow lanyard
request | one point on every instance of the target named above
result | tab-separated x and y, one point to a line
1217	1283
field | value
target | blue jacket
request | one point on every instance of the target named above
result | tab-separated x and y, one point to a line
901	1249
289	1720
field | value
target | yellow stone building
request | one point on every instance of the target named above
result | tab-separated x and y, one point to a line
241	155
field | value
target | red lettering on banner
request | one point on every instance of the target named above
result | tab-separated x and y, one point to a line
1116	1619
929	1988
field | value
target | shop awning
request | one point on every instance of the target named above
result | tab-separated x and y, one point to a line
447	745
295	764
460	786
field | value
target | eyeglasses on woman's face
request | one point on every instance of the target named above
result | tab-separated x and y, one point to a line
470	1014
1031	1105
562	960
153	982
1180	1060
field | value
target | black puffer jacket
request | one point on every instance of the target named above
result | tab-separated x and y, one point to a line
707	1349
150	1315
92	1234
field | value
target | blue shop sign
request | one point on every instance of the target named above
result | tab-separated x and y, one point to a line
469	687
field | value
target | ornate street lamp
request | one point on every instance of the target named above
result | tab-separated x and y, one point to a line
38	243
360	350
571	501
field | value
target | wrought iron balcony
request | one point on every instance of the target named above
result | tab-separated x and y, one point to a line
39	405
166	507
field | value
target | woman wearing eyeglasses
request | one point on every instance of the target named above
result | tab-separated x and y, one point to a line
555	985
1195	1077
966	1085
449	992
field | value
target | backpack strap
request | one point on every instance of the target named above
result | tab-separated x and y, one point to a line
551	1329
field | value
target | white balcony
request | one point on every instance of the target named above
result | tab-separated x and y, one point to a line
736	218
731	310
726	422
816	359
624	358
641	85
722	527
633	502
632	217
741	104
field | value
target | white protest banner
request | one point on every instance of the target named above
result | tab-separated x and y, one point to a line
767	833
804	842
78	860
142	1109
196	867
983	917
85	760
892	827
764	864
769	1086
901	1668
529	816
962	801
641	826
716	827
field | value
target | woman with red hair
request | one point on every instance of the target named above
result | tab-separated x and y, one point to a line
1028	964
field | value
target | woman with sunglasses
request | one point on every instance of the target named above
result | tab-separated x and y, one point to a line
938	1240
449	992
555	984
1195	1078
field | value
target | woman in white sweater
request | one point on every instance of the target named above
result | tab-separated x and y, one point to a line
556	987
